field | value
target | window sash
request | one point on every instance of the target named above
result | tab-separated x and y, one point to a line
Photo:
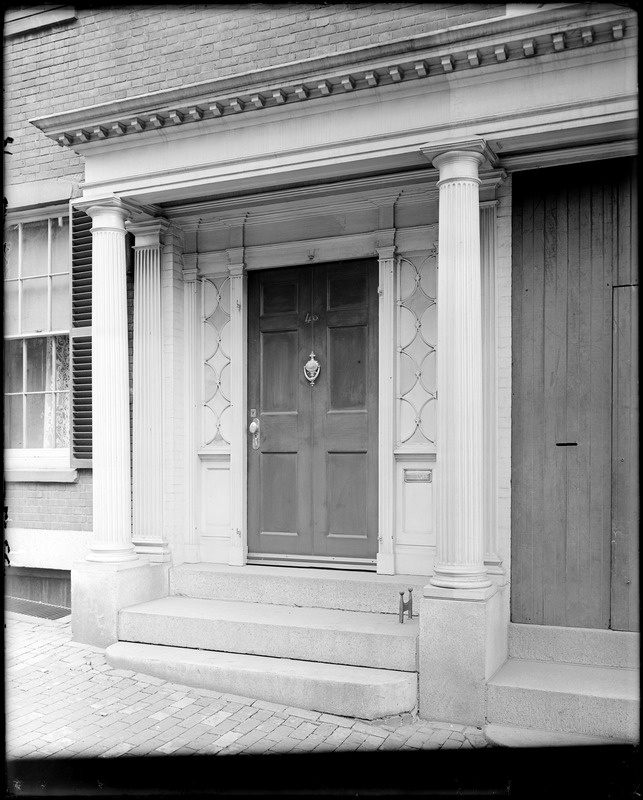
44	406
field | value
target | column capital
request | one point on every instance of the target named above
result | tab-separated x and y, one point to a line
384	253
148	233
108	214
465	148
236	263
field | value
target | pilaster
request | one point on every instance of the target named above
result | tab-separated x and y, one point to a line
112	536
147	460
492	560
238	484
191	321
386	405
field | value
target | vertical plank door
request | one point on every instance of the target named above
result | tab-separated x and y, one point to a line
625	461
570	245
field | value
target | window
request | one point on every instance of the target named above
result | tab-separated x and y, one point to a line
36	350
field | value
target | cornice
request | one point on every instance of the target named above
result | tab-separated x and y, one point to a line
470	47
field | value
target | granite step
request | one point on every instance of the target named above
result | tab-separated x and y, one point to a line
307	634
346	590
329	688
566	698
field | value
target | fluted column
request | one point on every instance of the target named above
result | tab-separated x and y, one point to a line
147	439
191	319
238	486
459	486
112	537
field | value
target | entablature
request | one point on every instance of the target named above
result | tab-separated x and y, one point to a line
488	46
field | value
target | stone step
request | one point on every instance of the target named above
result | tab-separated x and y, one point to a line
329	688
599	648
512	736
307	634
566	698
346	590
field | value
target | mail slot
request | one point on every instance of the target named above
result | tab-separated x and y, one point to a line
417	475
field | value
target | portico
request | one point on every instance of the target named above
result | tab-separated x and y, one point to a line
409	204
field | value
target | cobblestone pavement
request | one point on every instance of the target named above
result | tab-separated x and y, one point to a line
64	701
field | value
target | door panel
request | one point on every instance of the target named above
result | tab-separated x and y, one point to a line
279	356
279	489
279	497
347	495
345	411
312	485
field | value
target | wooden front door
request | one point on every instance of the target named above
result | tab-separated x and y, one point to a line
312	463
575	397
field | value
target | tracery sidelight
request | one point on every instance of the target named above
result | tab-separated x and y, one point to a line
417	338
216	362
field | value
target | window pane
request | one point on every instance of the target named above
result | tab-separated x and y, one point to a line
35	248
35	420
11	325
60	303
60	245
49	420
34	305
37	365
62	420
61	343
13	421
13	365
11	251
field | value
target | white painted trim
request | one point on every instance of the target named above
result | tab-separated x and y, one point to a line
332	248
192	359
414	560
44	458
49	475
46	548
238	391
386	411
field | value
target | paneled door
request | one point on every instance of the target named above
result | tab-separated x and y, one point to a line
312	414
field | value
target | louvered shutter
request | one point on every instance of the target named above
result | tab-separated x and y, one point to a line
81	338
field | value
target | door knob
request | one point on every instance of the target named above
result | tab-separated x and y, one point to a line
254	430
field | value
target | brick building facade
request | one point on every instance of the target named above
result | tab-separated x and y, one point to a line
246	352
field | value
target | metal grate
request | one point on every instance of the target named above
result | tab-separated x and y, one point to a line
33	609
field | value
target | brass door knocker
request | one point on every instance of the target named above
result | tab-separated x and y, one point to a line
312	368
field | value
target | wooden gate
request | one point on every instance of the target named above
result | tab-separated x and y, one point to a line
312	462
575	397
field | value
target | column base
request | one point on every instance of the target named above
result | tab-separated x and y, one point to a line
237	552
386	564
100	590
191	554
111	553
463	641
460	577
155	550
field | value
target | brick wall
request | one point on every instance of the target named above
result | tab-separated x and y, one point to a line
55	506
115	52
